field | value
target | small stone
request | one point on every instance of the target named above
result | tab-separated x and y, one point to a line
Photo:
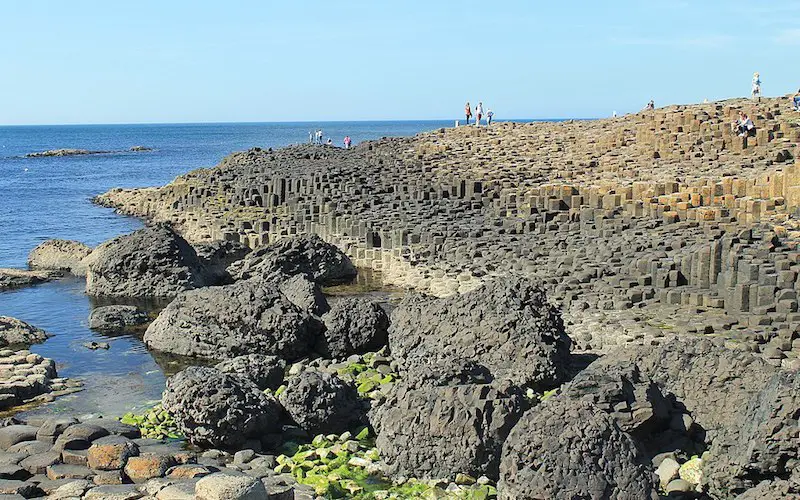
114	492
222	486
103	477
140	469
243	456
692	470
111	452
679	486
464	479
63	471
667	471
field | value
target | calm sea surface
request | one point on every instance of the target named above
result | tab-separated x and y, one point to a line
43	198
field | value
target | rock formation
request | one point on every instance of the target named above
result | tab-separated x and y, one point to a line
353	326
59	255
117	317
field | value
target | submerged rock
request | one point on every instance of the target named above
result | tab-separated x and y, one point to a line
17	333
308	255
154	262
264	371
63	152
354	325
59	255
321	403
117	317
212	408
573	449
17	278
506	326
247	317
436	432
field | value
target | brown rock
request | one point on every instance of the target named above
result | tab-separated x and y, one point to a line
140	469
111	452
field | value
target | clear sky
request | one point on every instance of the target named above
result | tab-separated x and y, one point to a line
87	61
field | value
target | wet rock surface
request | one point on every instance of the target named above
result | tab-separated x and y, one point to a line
18	278
15	332
117	317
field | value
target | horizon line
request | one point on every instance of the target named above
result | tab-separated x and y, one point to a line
95	124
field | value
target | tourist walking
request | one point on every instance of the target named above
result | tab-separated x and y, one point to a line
478	114
347	142
489	115
756	92
310	137
468	112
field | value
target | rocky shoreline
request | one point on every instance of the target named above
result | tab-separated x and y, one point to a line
80	152
594	310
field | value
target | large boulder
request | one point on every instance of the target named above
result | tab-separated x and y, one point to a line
218	409
354	325
303	293
321	403
247	317
765	444
308	255
264	371
116	317
17	333
568	449
154	262
217	255
59	255
507	326
438	432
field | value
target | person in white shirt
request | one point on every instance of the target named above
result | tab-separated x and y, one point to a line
744	125
478	114
756	85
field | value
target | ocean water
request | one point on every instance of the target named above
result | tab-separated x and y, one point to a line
43	198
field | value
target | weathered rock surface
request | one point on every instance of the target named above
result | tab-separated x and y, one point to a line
264	371
308	255
506	326
321	403
247	317
437	432
303	293
151	262
18	278
353	326
218	255
117	317
566	449
218	409
59	255
17	333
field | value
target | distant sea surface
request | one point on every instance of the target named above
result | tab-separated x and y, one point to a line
43	198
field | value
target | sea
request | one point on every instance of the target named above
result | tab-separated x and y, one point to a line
50	197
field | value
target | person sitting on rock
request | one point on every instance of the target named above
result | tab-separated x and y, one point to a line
744	126
796	101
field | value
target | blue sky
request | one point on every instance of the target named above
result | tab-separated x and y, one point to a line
85	61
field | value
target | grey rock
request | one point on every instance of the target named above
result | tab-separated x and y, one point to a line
321	403
59	255
353	325
216	256
154	262
17	278
265	371
435	432
114	492
506	326
213	408
17	333
572	449
221	486
13	434
303	293
308	255
247	317
116	317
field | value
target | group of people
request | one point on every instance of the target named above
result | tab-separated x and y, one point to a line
315	137
478	114
744	126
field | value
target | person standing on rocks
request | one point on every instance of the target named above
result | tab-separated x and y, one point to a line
468	112
756	85
347	142
796	101
478	114
489	115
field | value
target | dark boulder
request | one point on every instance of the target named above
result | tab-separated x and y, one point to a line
507	326
17	333
217	409
154	262
216	256
308	255
117	317
569	449
264	371
247	317
354	325
437	432
321	403
303	293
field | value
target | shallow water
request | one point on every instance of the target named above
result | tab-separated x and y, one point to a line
42	198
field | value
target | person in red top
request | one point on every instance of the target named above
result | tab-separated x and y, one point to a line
468	112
